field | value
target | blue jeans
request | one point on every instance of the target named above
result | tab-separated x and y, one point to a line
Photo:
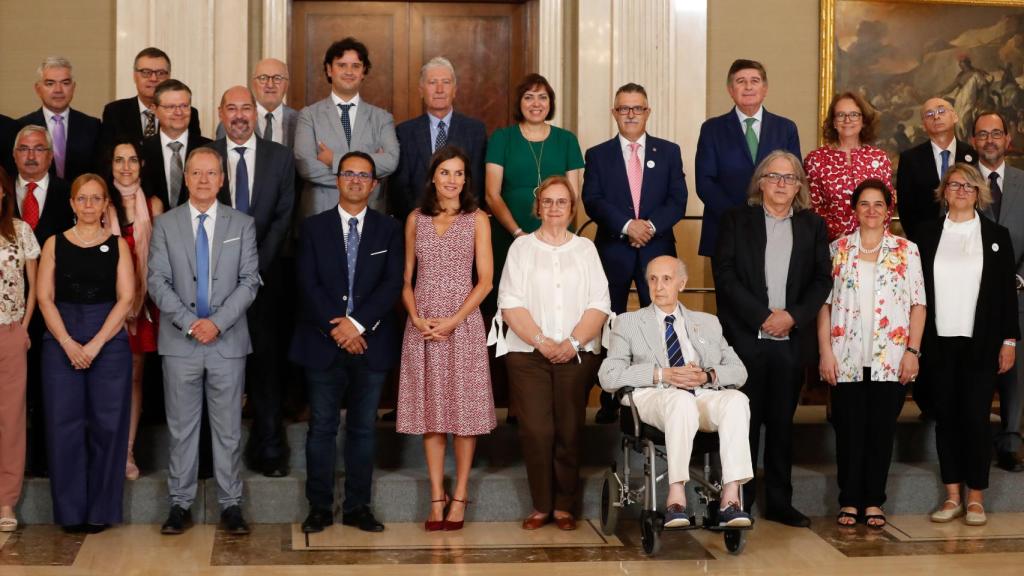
347	377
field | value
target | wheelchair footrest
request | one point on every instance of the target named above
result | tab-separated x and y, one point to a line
717	528
693	526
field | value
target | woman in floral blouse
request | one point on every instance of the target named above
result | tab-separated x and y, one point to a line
869	333
846	160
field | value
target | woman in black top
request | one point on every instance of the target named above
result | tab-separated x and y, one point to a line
86	288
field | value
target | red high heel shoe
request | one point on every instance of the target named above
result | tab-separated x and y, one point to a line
450	526
437	525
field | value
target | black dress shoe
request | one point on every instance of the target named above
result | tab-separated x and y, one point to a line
317	520
606	415
789	516
275	470
232	521
1009	461
178	520
363	519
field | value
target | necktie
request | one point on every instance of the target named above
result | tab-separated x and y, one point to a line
177	173
945	163
636	176
59	144
997	193
202	269
442	137
672	346
30	206
150	129
751	138
241	182
268	131
351	251
345	123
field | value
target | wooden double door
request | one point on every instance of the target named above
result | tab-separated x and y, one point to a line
487	42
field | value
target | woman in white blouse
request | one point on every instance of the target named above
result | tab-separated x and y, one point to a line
869	334
554	297
970	335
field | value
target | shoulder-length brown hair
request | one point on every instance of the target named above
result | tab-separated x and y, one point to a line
429	206
533	80
869	117
7	207
755	197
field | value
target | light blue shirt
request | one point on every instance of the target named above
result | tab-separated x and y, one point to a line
434	121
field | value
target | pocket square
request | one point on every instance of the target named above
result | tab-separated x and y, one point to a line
377	252
230	240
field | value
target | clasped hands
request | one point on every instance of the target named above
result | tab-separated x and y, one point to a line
435	329
556	352
687	377
346	336
81	356
639	232
778	324
204	331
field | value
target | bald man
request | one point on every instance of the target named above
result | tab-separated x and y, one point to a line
275	121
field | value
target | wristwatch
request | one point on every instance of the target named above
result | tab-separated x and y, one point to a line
914	351
709	373
575	343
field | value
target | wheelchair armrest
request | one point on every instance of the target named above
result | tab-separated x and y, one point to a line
627	391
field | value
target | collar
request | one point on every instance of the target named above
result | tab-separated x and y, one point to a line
952	149
165	139
624	144
759	115
262	112
661	315
337	100
249	144
434	120
963	227
143	107
49	114
211	211
1001	170
43	182
345	216
768	214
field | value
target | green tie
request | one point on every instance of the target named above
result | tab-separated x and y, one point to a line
751	138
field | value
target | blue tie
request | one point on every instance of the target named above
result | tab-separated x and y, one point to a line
346	123
241	182
442	136
945	163
675	351
202	269
351	250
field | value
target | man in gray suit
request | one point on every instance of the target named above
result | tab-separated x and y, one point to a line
203	275
1006	184
686	378
339	124
275	120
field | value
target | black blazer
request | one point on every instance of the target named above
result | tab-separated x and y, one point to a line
995	314
57	215
272	195
8	130
916	181
406	185
121	121
154	179
740	284
83	134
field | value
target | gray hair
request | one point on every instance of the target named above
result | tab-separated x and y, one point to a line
438	62
681	270
34	128
801	201
54	62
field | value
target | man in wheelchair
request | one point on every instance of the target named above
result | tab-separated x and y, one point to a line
685	377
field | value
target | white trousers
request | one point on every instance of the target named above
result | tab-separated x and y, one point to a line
680	414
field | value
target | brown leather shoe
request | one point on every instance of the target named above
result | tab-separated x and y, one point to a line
534	521
565	522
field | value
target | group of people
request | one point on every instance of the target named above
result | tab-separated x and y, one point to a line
168	242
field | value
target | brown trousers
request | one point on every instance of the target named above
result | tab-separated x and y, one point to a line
13	373
551	403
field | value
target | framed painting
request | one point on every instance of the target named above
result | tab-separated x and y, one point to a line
899	53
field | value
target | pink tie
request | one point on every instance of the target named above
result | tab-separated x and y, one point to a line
636	176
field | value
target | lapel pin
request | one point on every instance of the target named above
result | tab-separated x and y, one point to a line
874	164
650	163
995	247
968	158
104	248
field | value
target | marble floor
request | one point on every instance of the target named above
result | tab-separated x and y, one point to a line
909	546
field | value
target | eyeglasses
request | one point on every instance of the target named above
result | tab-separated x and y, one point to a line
625	110
776	178
174	107
26	149
933	114
150	73
83	200
350	175
848	116
993	135
265	79
957	186
549	202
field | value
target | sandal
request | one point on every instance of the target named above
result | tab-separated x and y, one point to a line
8	524
879	519
844	515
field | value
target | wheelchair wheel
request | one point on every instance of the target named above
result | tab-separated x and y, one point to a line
610	498
650	532
734	541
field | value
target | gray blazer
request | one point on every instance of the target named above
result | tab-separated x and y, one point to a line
234	267
637	346
1011	215
374	130
289	121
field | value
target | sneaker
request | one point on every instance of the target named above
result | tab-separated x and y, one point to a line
733	516
676	516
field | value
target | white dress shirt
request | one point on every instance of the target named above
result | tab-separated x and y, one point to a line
209	225
167	152
959	261
866	280
278	122
21	190
351	111
1001	170
937	156
361	218
757	125
250	164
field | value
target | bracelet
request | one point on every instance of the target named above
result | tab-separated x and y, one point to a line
64	340
914	351
539	338
517	232
1010	343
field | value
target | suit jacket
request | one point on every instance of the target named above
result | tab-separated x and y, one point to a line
320	122
406	186
995	315
172	280
83	133
638	346
57	215
916	181
272	197
288	122
8	131
121	121
740	284
724	166
154	177
323	281
609	201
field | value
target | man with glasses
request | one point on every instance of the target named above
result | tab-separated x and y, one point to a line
275	120
635	190
350	264
165	152
134	118
1006	184
921	167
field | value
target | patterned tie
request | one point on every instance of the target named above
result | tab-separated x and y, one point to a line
636	176
268	131
60	140
150	129
672	346
997	193
751	138
351	251
346	123
202	269
241	182
442	137
177	173
945	163
30	206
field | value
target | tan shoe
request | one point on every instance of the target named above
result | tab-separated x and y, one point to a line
944	514
8	524
975	515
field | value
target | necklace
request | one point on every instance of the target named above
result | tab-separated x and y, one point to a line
871	251
553	242
90	241
536	157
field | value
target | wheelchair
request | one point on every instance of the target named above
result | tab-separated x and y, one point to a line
617	492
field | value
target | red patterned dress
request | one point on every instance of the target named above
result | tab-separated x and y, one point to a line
445	386
832	181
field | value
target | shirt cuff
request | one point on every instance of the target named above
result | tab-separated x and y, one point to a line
359	327
625	228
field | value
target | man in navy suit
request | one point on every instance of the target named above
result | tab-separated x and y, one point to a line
164	154
421	136
731	145
349	266
260	182
74	134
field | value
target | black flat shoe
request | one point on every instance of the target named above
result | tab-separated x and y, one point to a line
1009	461
606	415
233	522
178	520
363	519
317	520
789	516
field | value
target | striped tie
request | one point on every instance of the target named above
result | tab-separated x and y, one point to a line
675	351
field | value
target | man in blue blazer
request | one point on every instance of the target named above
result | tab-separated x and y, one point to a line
349	266
730	146
421	136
